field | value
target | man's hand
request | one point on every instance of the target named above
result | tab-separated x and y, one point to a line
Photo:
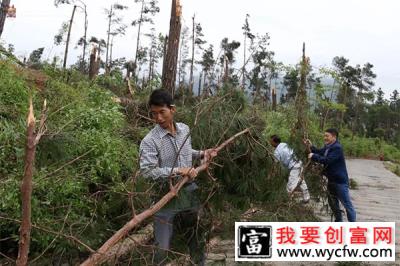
310	155
210	154
307	142
188	171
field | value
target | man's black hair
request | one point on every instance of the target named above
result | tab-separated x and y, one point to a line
161	97
276	139
333	131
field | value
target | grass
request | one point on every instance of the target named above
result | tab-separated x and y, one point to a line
393	167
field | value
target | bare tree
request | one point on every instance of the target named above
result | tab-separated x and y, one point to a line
197	41
148	8
115	27
67	29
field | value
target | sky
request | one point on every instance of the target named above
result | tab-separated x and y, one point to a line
360	30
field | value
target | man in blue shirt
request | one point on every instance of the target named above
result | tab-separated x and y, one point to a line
332	157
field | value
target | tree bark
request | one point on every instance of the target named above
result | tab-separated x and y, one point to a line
3	14
199	88
93	64
192	62
138	36
95	258
226	72
26	190
168	80
84	43
273	99
68	37
108	39
244	64
164	68
32	139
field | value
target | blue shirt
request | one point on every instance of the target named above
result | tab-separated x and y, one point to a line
332	157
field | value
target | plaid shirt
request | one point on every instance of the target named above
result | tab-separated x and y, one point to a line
161	154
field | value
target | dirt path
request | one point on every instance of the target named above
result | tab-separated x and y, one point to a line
376	199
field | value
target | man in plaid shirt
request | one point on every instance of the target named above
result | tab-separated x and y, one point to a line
164	152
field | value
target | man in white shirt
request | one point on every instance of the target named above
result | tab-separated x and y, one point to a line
285	156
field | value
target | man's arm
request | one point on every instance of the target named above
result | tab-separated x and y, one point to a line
315	150
333	155
149	167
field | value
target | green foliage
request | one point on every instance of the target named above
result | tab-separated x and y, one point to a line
369	148
83	163
13	93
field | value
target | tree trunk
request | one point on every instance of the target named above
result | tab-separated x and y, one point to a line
199	88
342	113
68	37
32	139
150	64
164	67
93	64
244	64
226	73
192	62
26	190
273	99
3	14
180	63
108	40
168	80
205	90
138	36
84	43
111	52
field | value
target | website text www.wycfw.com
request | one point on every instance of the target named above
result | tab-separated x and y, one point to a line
327	253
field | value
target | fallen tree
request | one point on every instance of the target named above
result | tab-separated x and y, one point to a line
100	255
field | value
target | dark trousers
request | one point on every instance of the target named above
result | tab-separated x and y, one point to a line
187	223
340	193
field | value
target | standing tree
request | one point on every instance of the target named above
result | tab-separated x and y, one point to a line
207	63
355	89
380	100
247	35
291	82
171	57
115	27
228	56
156	51
148	9
183	58
68	37
197	41
58	38
263	62
395	101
